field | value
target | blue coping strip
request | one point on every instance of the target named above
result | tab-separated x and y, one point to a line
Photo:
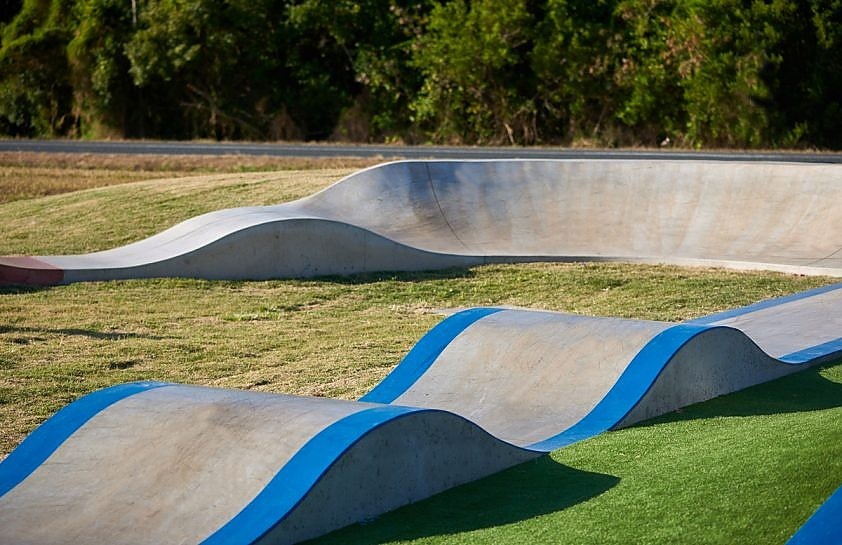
642	372
423	354
294	480
814	352
763	305
49	436
633	384
824	527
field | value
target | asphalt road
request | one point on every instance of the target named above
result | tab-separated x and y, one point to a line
139	147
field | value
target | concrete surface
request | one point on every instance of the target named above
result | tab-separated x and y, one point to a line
525	376
176	463
417	215
483	390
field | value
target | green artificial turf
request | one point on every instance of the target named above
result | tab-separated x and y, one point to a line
748	468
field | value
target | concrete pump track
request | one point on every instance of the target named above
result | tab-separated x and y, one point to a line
486	389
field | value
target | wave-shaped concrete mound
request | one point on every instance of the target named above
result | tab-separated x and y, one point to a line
423	215
483	390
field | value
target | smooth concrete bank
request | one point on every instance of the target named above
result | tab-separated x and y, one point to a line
483	390
421	215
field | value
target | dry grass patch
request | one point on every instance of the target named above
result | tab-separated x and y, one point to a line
102	218
25	175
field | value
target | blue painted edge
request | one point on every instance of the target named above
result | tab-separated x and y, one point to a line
295	479
642	372
633	384
814	352
824	527
423	354
763	305
49	436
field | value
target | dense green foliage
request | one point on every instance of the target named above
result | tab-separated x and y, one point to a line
732	73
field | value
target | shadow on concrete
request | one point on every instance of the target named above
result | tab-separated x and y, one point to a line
804	391
525	491
100	335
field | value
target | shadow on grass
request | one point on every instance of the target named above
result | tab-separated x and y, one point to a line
804	391
395	276
110	336
545	486
356	279
14	289
525	491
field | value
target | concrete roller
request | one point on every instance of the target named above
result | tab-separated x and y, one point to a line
484	390
422	215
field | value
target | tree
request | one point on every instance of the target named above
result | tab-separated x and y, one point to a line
349	66
477	84
719	49
105	98
210	65
35	89
805	99
575	60
731	73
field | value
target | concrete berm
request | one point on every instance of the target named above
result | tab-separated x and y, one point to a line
424	215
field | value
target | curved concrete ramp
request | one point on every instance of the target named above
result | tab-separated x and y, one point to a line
543	380
422	215
483	390
164	463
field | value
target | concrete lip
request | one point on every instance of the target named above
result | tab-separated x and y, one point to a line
28	271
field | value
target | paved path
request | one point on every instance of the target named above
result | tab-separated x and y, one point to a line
395	152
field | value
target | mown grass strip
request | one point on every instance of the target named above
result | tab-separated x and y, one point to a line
102	218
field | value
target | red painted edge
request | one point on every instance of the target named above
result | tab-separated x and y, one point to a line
28	271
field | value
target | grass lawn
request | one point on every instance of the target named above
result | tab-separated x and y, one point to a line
745	468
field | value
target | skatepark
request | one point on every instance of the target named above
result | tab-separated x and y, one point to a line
424	215
485	389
